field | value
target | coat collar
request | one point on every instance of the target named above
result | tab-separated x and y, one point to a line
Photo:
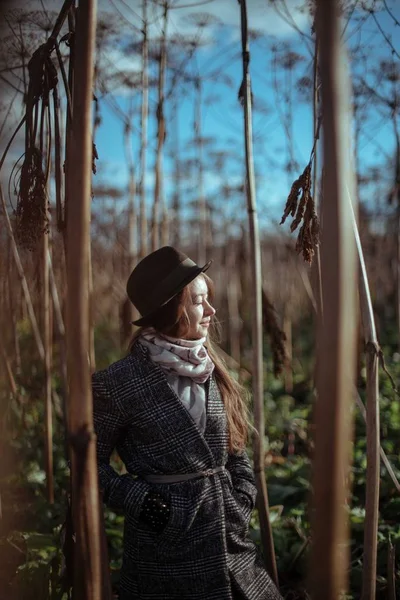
216	419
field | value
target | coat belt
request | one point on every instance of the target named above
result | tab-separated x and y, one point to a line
183	477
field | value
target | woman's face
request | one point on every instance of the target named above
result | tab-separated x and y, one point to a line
199	309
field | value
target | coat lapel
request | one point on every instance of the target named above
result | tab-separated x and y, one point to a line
165	403
216	426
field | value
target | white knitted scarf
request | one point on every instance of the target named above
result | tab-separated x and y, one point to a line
187	366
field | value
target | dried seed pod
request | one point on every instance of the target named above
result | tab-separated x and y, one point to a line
31	210
305	197
291	202
276	335
303	210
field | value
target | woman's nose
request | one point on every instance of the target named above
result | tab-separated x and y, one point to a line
209	310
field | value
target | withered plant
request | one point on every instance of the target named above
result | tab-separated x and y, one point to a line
300	205
276	335
255	254
336	332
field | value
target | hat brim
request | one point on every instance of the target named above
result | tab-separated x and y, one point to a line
145	319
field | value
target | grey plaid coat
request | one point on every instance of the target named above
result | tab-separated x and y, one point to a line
204	553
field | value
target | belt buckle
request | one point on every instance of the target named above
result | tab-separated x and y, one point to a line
208	472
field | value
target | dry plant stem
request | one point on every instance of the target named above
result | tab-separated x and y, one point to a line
60	22
68	124
46	336
391	572
336	334
307	286
92	353
202	205
233	305
384	458
22	122
85	494
143	136
132	249
361	407
160	133
398	268
13	309
176	238
129	309
58	174
10	376
24	284
56	299
288	372
315	174
60	337
373	475
165	224
258	388
373	427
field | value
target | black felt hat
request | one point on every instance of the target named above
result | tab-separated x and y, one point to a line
159	277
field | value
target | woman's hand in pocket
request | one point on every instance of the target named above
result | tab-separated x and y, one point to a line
155	512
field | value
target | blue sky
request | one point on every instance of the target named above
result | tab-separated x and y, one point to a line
223	120
222	115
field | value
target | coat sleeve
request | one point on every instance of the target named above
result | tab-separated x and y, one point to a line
242	476
121	492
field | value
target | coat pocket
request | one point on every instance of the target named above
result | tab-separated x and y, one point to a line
176	527
245	504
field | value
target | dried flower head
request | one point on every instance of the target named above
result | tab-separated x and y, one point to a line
31	212
95	157
303	209
276	335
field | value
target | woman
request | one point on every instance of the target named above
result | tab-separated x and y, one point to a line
177	420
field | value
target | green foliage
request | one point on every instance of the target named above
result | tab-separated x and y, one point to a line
288	437
31	541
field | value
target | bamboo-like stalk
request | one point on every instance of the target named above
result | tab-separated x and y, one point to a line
46	337
55	297
143	136
258	388
160	133
201	201
363	412
382	453
128	312
68	124
165	224
358	400
397	198
373	435
318	273
47	331
85	493
92	351
60	336
132	239
287	330
233	303
336	333
10	376
176	208
391	572
13	308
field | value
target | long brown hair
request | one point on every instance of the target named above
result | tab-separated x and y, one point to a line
172	319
